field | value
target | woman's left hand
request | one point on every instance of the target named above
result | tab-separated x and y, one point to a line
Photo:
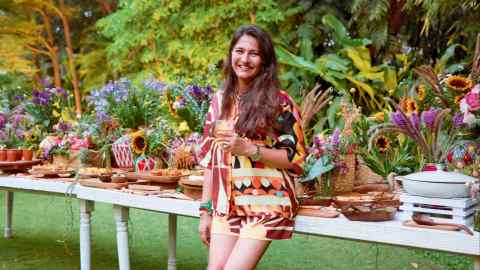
239	146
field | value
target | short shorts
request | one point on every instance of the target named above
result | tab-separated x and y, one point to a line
253	227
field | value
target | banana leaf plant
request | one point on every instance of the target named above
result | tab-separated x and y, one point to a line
350	67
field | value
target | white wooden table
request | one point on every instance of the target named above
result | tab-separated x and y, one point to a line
12	184
122	202
390	232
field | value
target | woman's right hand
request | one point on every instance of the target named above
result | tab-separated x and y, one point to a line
204	228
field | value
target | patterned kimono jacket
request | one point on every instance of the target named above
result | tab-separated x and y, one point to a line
242	187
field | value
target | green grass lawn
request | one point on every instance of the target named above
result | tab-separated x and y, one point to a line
46	236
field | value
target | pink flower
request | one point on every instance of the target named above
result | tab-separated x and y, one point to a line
473	100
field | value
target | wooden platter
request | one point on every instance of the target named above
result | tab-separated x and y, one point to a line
22	163
318	211
51	174
96	183
155	178
373	215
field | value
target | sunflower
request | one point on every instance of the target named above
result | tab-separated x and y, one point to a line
459	83
421	92
382	143
408	105
138	142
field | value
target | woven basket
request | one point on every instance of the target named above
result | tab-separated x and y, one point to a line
122	153
365	175
339	183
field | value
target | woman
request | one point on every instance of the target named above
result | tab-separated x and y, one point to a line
248	192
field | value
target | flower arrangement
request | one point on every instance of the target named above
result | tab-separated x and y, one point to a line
433	131
387	152
159	140
470	105
48	106
129	105
189	104
325	155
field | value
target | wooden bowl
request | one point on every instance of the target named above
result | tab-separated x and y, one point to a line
384	214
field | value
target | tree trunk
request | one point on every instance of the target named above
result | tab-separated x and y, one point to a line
71	59
395	16
52	49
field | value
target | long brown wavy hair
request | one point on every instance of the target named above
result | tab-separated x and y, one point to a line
259	106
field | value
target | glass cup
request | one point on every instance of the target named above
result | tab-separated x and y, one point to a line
223	128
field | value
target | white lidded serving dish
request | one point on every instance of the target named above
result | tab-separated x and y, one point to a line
437	184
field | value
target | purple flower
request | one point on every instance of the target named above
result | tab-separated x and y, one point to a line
41	98
19	133
415	119
208	90
399	119
2	121
63	127
3	136
457	120
46	82
61	92
336	138
16	120
179	103
429	116
195	91
154	85
18	98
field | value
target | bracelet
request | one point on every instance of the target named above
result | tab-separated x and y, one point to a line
206	207
256	156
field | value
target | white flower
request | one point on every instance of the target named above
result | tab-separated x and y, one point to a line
468	118
476	89
464	106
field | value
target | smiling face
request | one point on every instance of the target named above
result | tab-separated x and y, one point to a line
246	60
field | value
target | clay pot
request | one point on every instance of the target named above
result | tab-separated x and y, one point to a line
27	154
3	154
19	154
12	155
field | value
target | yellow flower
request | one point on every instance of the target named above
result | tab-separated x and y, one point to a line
138	142
421	92
459	83
382	143
408	105
183	127
412	106
378	117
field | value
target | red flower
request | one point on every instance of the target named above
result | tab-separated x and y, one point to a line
467	158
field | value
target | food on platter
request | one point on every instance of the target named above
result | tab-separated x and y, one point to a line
169	172
373	206
51	170
94	171
49	167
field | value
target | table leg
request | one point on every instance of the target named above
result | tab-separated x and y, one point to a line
476	263
8	214
121	218
86	207
172	242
